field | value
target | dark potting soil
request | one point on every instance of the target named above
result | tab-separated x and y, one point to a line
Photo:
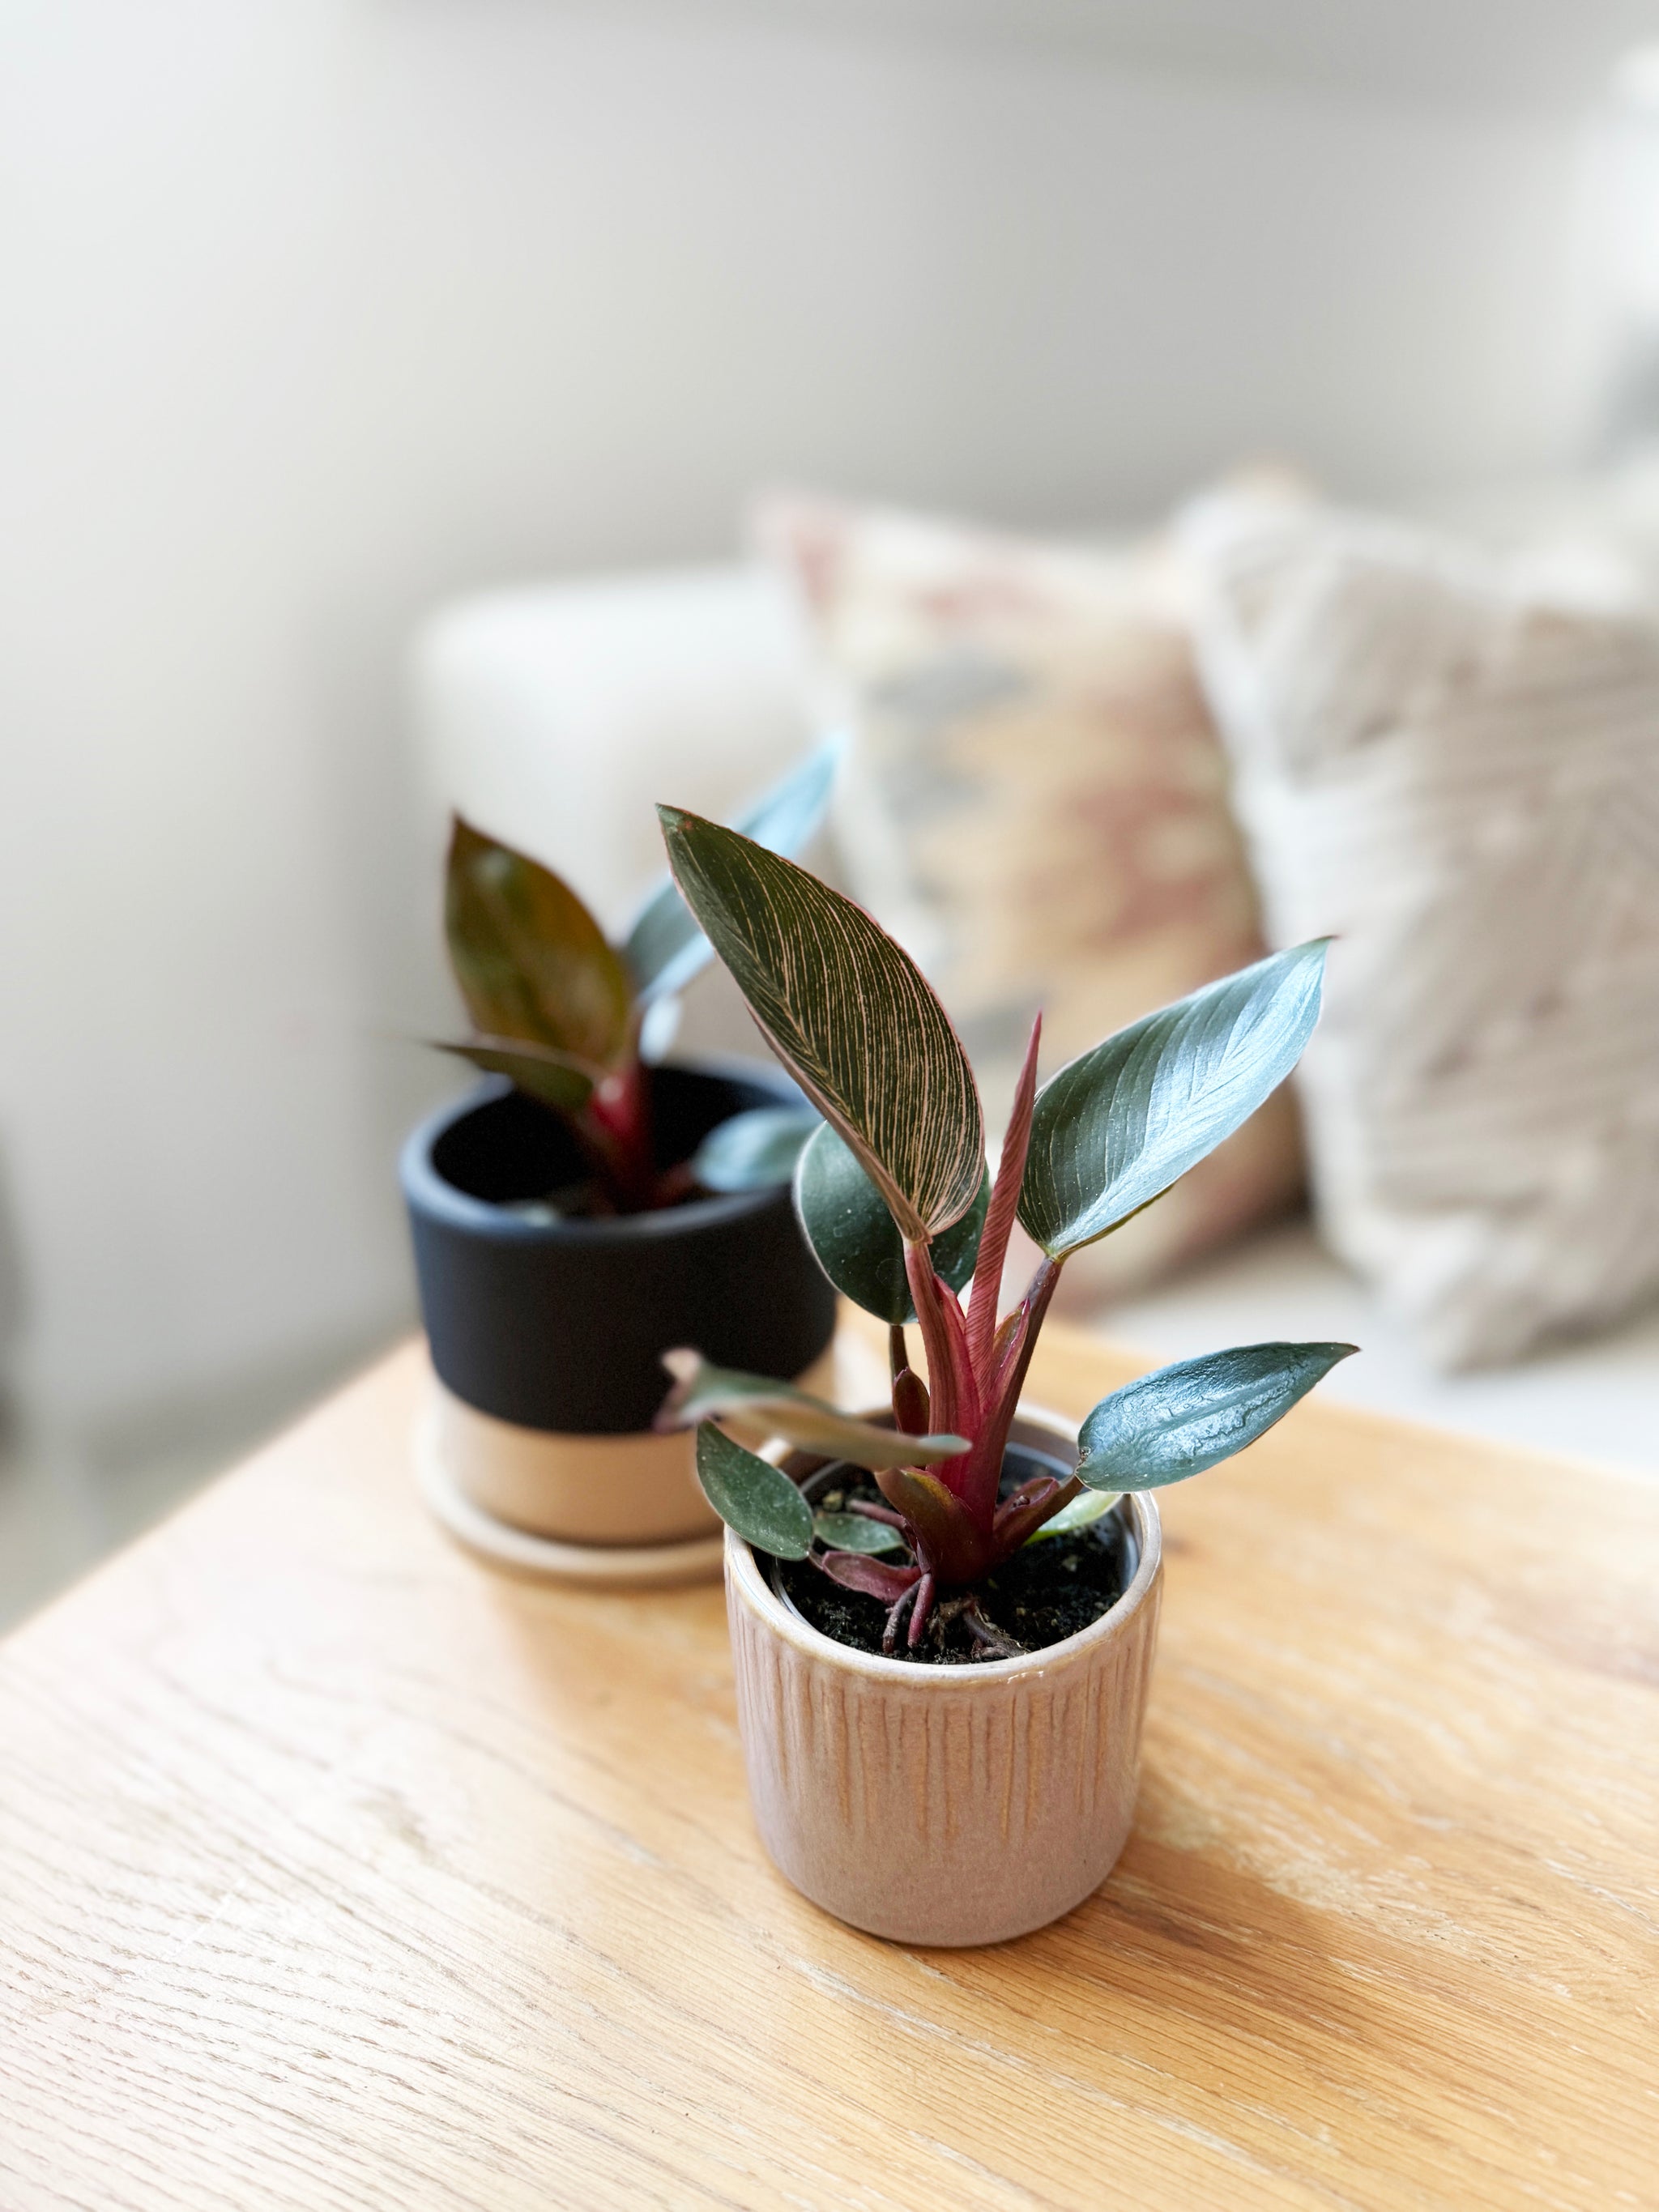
1047	1592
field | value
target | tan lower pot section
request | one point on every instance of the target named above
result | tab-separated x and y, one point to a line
629	1491
945	1805
578	1489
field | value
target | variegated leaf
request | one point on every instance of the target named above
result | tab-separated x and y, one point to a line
666	948
850	1015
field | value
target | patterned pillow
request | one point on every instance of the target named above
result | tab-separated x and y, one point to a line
1036	805
1453	762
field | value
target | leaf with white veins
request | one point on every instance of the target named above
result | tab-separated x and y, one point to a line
666	948
850	1015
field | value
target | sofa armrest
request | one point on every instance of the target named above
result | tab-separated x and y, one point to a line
556	715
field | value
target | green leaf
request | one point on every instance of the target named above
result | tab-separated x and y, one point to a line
850	1015
556	1078
666	948
855	1532
847	1223
1197	1412
1116	1127
753	1497
758	1408
531	962
1084	1509
755	1148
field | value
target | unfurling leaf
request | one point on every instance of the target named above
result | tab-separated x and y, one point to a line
855	1532
760	1409
1117	1126
948	1542
754	1149
850	1015
849	1227
666	948
753	1497
1084	1509
557	1078
1197	1412
531	962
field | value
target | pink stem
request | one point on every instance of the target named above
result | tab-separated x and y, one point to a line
920	1606
884	1513
1000	1217
982	1477
953	1391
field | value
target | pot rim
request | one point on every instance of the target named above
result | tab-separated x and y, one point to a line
425	1190
744	1573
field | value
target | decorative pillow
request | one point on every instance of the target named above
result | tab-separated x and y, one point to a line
1036	805
1453	762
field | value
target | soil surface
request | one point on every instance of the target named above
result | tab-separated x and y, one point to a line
1047	1592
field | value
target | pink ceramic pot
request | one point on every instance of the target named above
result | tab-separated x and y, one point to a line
945	1805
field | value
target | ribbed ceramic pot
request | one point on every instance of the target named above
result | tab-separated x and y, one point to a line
547	1335
945	1805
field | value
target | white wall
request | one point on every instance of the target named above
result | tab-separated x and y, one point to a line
316	311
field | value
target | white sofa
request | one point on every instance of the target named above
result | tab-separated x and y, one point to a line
556	715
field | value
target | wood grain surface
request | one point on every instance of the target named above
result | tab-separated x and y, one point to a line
337	1872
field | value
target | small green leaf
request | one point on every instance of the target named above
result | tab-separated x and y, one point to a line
1116	1127
557	1078
848	1012
855	1532
1084	1509
531	962
1196	1414
756	1149
849	1227
758	1408
666	948
753	1497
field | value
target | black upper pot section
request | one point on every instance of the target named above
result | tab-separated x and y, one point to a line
562	1325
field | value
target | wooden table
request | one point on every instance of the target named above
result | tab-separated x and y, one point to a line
336	1871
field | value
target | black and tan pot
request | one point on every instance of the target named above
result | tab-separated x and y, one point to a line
547	1335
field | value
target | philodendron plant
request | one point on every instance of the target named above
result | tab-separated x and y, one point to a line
562	1012
893	1193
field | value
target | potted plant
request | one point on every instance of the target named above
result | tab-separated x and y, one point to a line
944	1611
587	1207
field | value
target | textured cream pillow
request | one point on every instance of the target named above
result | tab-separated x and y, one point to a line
1454	763
1036	805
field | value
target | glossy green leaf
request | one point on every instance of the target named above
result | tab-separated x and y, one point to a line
1197	1412
666	948
531	962
556	1078
847	1223
850	1015
753	1497
759	1409
1084	1509
855	1532
1117	1126
754	1149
